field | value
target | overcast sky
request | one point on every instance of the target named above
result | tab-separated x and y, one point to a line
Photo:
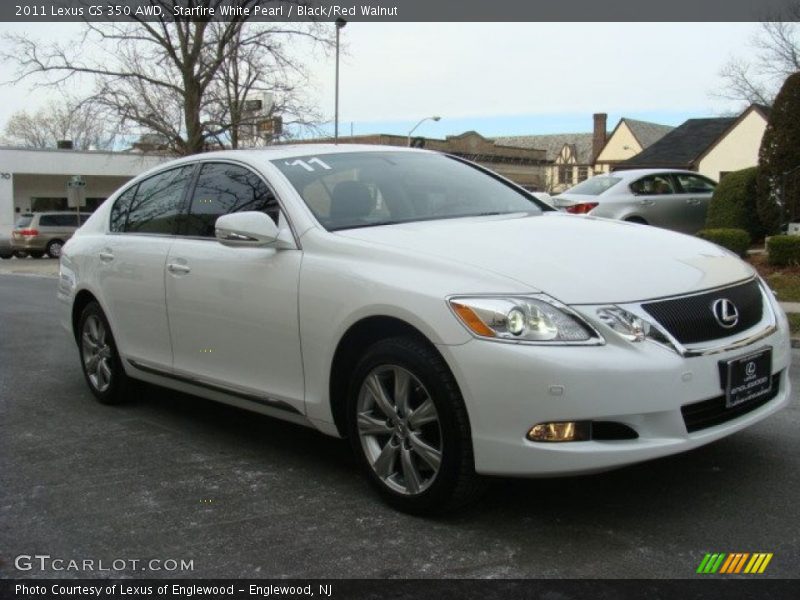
499	78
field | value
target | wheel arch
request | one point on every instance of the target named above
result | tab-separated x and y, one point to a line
356	339
82	298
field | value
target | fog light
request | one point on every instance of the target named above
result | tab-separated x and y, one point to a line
565	431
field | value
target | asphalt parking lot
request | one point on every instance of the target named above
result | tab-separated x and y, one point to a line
175	477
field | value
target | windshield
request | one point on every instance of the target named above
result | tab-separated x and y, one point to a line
594	186
364	189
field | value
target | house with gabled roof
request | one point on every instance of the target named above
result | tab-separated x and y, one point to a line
629	138
712	147
570	156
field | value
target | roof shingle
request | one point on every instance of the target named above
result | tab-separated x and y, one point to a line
682	146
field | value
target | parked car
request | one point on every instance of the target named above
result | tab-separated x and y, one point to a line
671	199
441	318
43	233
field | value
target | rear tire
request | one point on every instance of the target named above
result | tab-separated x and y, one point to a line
53	249
409	428
36	254
637	220
20	254
100	359
5	256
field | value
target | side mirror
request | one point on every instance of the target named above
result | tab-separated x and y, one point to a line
249	229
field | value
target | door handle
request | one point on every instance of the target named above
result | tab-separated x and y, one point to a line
106	255
178	269
693	201
647	202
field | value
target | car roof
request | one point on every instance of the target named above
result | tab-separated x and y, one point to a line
289	150
629	174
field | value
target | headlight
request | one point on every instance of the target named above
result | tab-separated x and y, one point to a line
523	319
632	327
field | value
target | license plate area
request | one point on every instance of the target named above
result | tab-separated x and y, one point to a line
747	377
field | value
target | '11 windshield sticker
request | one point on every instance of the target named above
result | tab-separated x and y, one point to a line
308	165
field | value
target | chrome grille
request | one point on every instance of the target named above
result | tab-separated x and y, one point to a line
690	319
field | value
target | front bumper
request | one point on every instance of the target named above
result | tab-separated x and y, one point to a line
509	388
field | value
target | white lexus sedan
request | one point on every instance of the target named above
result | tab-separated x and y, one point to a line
440	317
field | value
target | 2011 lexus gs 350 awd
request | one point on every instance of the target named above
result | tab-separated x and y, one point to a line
440	317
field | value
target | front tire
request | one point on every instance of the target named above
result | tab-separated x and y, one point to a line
409	428
100	359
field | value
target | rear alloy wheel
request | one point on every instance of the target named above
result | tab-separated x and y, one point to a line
409	428
99	357
54	248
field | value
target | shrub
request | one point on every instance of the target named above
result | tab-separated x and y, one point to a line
733	205
779	154
784	250
735	240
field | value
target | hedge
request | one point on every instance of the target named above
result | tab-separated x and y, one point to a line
733	205
784	250
735	240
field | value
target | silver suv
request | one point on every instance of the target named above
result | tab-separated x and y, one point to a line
45	233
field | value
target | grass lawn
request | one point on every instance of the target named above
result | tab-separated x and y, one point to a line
784	280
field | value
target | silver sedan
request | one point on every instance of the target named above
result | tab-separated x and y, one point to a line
672	199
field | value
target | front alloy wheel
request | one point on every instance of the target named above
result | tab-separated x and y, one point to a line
399	429
408	426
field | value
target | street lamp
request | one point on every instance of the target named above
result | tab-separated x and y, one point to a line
340	23
421	121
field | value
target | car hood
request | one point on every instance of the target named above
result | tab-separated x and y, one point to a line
575	259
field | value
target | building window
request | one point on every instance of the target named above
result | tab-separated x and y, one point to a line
565	174
583	173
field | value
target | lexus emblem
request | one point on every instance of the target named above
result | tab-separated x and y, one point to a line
725	312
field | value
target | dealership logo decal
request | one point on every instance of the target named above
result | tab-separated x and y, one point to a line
725	312
735	562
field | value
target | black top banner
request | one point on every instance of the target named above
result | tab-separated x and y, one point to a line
401	10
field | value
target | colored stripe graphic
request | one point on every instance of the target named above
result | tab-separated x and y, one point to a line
720	562
711	563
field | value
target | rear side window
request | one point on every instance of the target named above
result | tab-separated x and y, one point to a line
58	221
157	202
654	185
222	189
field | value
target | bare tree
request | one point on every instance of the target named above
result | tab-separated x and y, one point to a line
266	68
776	56
67	120
185	81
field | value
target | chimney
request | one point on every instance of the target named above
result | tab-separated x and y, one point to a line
599	135
64	145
